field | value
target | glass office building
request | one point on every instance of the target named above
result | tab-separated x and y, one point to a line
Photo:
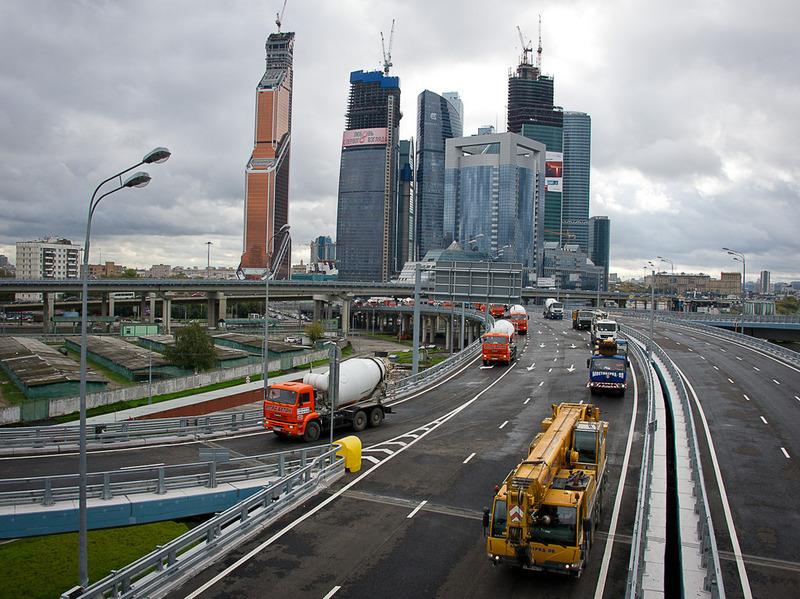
577	164
366	227
493	184
600	244
439	118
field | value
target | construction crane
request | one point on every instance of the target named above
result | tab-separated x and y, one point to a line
525	47
279	16
539	50
387	56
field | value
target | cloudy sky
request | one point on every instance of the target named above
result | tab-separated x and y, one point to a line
694	106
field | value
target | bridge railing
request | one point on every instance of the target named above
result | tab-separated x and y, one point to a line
65	437
710	554
170	564
640	524
49	490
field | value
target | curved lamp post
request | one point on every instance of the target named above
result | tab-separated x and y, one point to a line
267	276
739	257
139	179
671	277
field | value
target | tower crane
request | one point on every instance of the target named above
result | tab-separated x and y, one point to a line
279	16
387	56
525	47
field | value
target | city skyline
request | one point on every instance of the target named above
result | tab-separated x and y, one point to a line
686	159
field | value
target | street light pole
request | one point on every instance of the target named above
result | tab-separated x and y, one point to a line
208	262
739	256
140	179
278	259
671	277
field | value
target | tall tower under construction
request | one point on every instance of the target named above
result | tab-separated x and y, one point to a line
366	226
532	113
266	207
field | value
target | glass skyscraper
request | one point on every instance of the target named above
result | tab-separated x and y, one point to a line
492	186
439	118
366	226
600	244
577	163
406	205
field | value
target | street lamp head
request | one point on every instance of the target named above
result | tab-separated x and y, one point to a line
157	156
140	179
284	228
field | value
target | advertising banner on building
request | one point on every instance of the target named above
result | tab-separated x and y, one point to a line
554	171
364	137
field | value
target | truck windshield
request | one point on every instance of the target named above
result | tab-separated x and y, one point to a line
555	524
499	518
608	364
607	326
586	445
284	396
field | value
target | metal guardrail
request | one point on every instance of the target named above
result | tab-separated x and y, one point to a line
170	564
640	524
66	436
710	555
49	490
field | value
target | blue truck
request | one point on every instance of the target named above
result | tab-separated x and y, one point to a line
608	367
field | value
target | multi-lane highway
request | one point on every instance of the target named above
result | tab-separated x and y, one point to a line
409	523
749	404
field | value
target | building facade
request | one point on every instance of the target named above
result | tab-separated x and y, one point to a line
406	204
600	245
577	165
570	268
439	118
366	225
46	258
323	250
493	186
266	207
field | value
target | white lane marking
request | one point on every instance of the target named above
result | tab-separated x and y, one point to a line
532	366
247	557
469	457
738	358
776	382
369	458
786	453
730	380
764	420
716	368
747	398
797	398
550	370
541	383
416	509
726	508
702	357
332	592
756	368
612	529
143	466
504	424
526	401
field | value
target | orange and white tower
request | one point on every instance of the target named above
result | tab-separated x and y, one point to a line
266	207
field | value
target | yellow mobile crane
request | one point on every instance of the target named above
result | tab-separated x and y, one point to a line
547	508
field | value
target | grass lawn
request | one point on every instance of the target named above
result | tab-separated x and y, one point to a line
44	567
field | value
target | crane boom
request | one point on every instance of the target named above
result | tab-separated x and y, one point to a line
279	16
387	56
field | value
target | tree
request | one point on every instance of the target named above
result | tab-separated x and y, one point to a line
315	331
129	273
193	349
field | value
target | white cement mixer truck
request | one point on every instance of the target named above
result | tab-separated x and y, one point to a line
302	408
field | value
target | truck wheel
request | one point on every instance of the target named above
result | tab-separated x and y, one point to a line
312	433
375	417
360	421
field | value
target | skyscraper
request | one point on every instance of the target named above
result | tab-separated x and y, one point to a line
439	118
366	226
406	205
577	163
600	244
266	207
532	113
492	186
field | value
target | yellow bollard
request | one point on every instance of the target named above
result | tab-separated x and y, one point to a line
351	451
